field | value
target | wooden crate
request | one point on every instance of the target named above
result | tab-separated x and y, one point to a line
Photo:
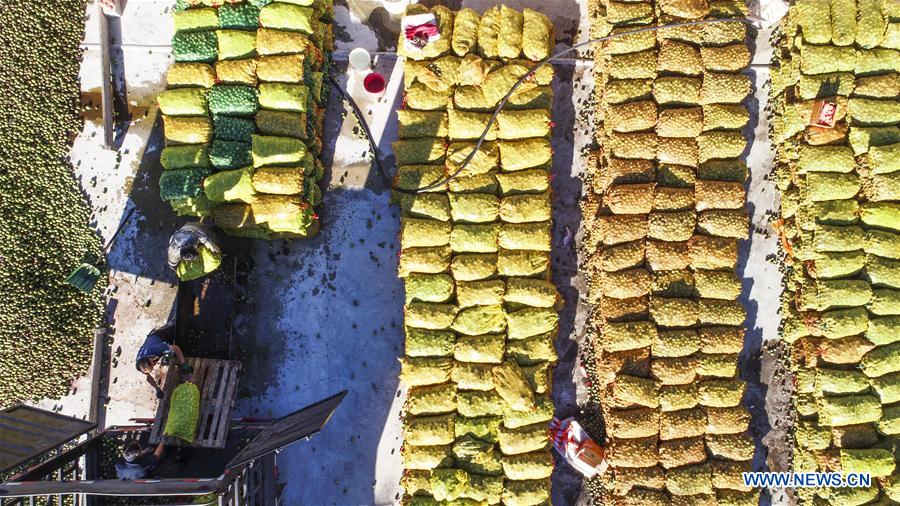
217	382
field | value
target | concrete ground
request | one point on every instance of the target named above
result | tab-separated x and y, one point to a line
319	316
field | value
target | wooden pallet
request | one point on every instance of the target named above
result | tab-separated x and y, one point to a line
217	381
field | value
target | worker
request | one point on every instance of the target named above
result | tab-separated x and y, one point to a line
193	251
137	462
157	350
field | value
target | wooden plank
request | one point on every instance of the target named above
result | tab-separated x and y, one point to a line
207	409
106	92
224	403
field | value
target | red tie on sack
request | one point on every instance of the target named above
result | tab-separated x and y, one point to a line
419	34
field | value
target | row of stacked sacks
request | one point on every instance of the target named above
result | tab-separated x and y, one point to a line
243	114
841	235
664	219
481	312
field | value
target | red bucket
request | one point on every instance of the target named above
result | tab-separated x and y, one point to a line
375	84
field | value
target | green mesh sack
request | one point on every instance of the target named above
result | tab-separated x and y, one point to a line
271	150
476	456
526	492
426	315
448	484
874	461
281	123
432	399
193	206
187	129
524	154
528	466
429	430
281	68
883	271
524	181
235	44
429	343
840	381
419	151
537	35
821	186
531	292
285	16
476	403
485	428
881	214
183	102
474	237
484	488
415	124
885	301
415	232
429	287
181	183
280	180
233	100
474	207
230	186
522	262
474	376
241	16
185	157
887	387
226	155
424	205
872	112
885	158
825	294
236	71
814	20
523	439
425	457
890	421
418	371
184	412
511	384
270	41
195	20
533	350
478	320
526	208
826	159
531	321
885	187
670	343
849	410
195	46
206	262
428	260
525	236
542	413
232	128
190	75
284	97
472	267
883	330
479	293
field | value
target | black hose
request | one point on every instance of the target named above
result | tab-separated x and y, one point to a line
512	90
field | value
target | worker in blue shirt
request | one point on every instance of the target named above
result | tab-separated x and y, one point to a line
156	350
136	462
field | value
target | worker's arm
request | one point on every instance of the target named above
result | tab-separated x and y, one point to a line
159	450
178	353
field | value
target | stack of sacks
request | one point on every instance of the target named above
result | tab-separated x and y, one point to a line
265	96
841	236
481	315
664	220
